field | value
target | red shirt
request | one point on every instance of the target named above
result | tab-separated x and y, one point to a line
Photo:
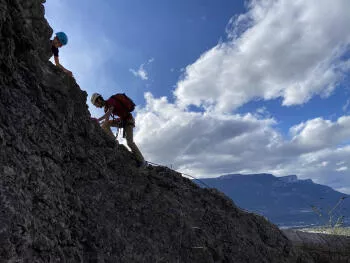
118	110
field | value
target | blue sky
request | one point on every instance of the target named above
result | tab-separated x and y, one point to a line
222	86
173	33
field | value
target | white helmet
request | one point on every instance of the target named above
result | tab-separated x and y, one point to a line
94	97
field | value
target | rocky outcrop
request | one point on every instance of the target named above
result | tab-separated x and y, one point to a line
68	194
323	248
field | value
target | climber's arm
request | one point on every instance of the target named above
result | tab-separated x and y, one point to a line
106	116
57	62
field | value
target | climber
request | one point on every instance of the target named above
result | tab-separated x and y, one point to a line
122	106
60	40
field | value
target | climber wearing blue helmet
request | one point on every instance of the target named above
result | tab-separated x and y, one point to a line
60	40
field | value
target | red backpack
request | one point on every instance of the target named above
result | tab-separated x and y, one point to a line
125	101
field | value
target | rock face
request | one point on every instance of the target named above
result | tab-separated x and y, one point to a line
322	247
68	194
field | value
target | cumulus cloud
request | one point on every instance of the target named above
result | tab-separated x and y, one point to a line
288	49
292	50
341	169
317	134
188	136
141	72
207	144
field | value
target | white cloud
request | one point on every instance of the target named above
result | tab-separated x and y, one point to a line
141	72
206	144
287	49
346	106
187	136
263	112
324	164
341	169
343	189
318	133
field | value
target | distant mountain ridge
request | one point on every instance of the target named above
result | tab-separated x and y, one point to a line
286	201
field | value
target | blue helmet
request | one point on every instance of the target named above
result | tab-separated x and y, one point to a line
62	37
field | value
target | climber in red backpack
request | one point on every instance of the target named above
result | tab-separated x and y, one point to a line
60	40
122	106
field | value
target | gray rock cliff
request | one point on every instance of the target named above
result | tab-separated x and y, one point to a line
67	194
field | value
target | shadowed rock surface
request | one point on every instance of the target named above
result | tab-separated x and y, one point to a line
67	194
322	247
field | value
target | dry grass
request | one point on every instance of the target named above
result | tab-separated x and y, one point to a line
342	231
